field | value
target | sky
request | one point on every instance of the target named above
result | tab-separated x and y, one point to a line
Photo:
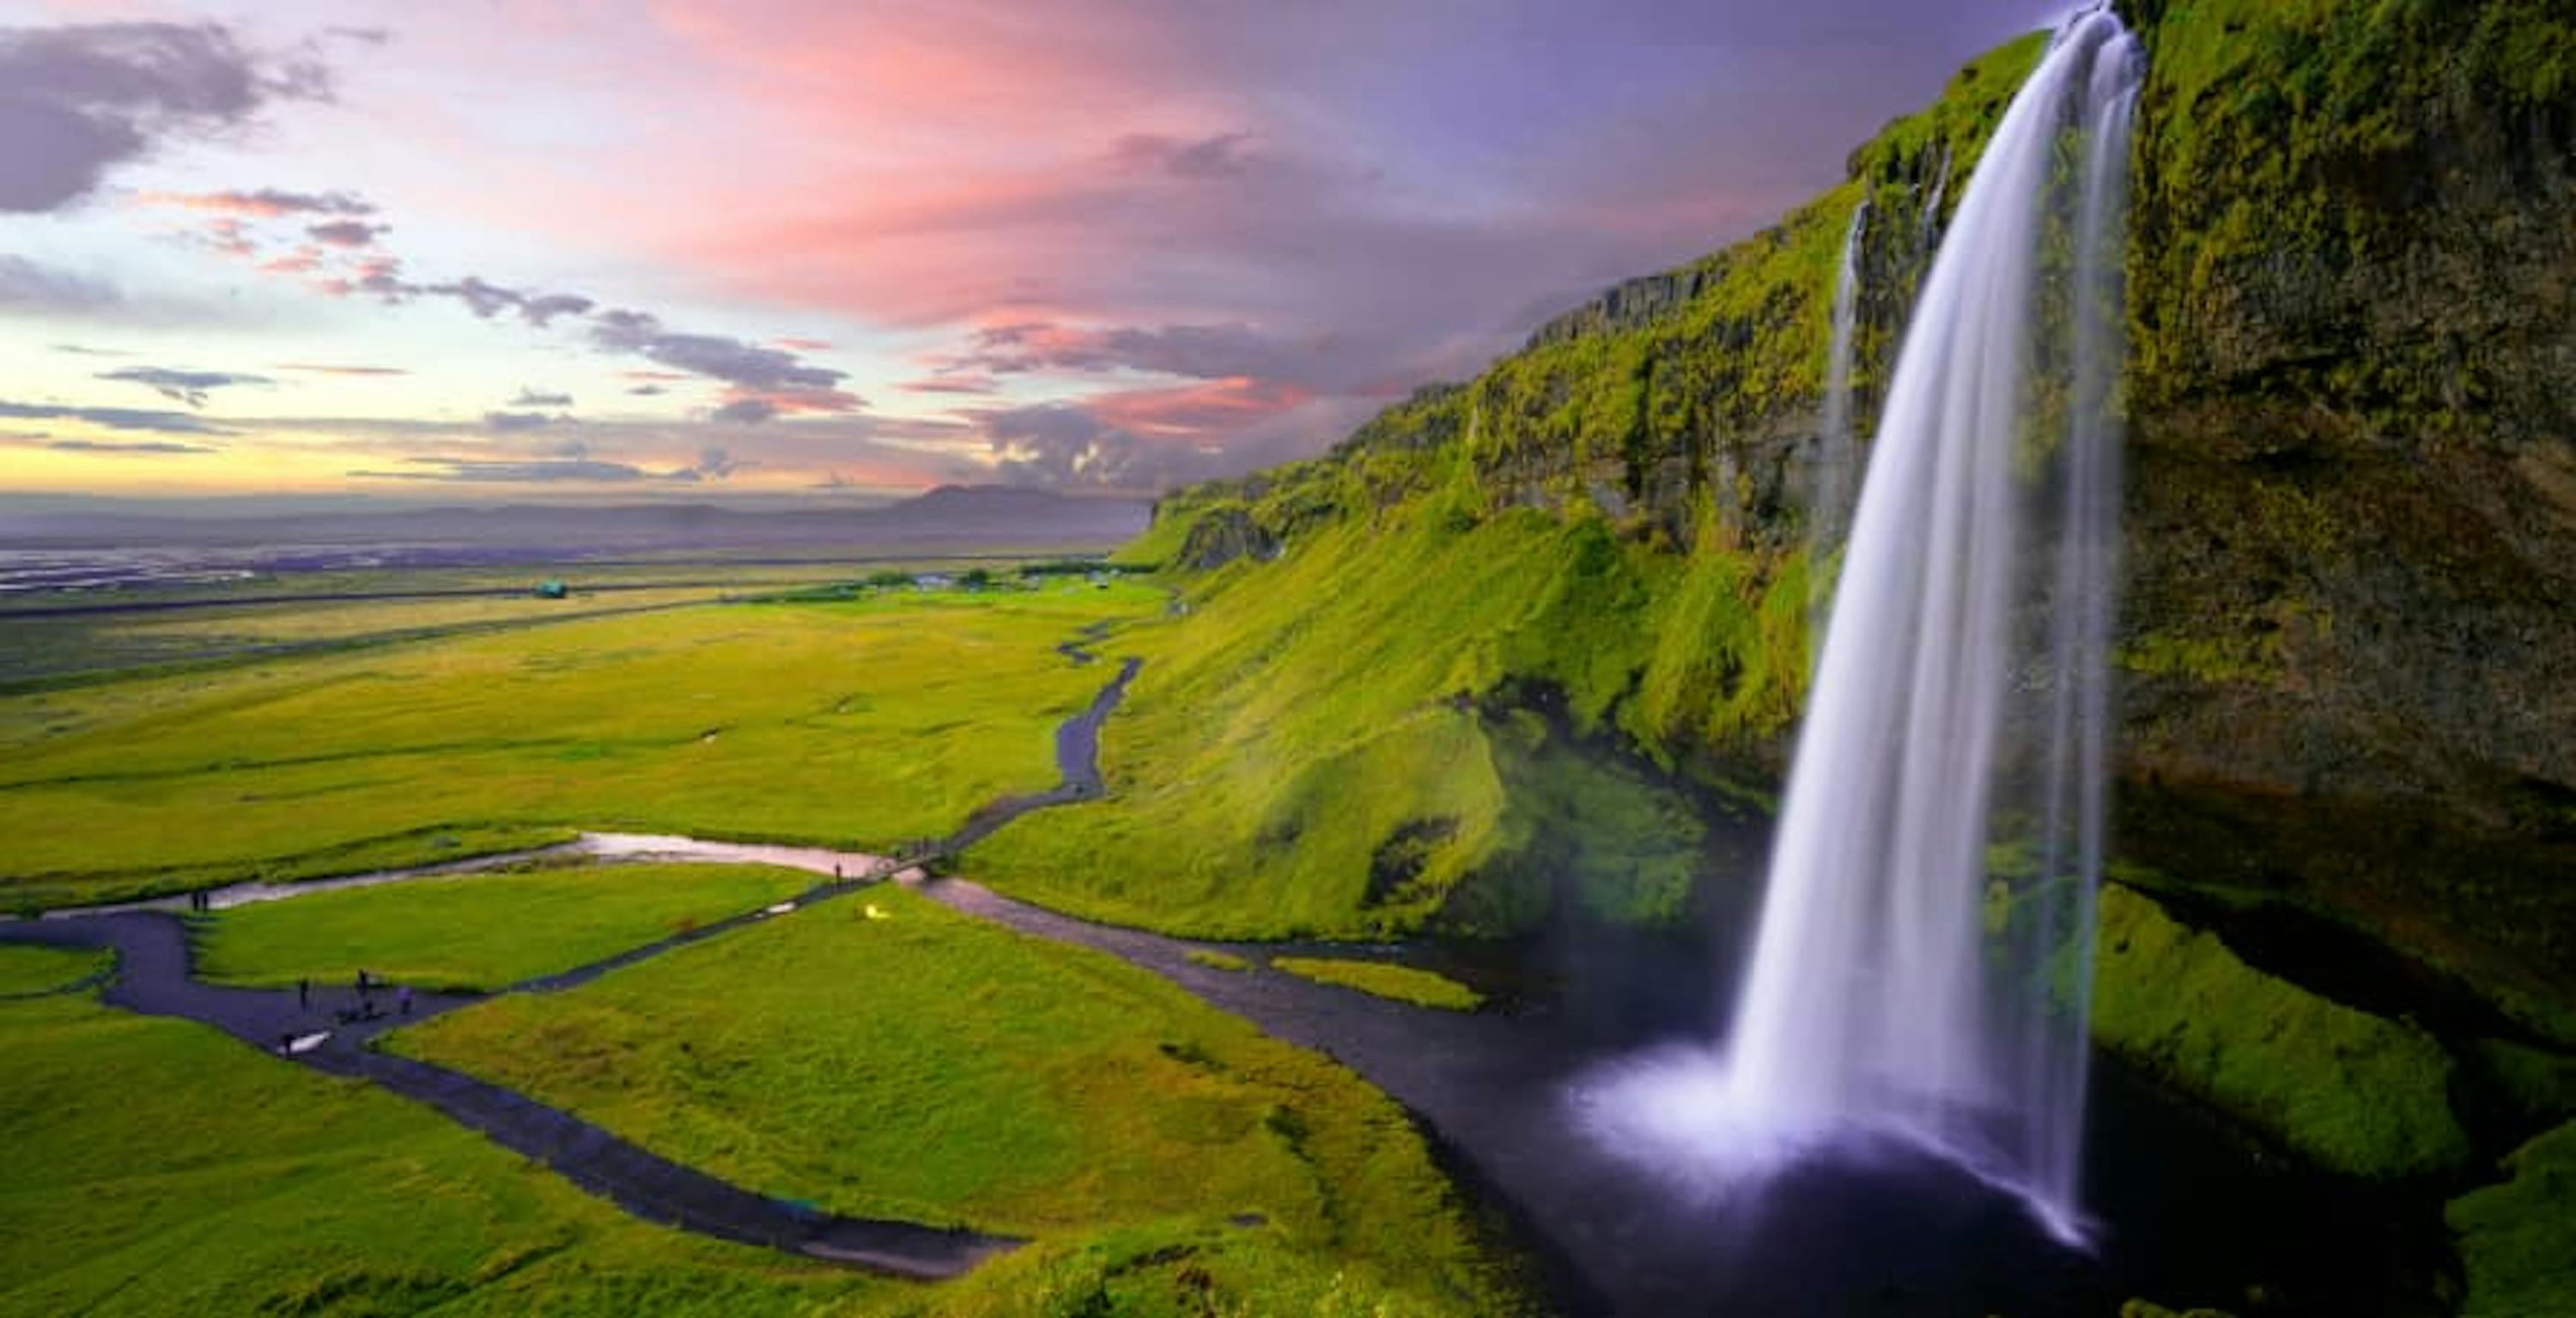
511	250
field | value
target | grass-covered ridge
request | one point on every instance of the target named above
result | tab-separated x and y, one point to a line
930	1066
867	723
1422	988
2356	1093
1334	742
479	932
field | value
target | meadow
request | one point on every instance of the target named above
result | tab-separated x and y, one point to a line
888	1057
31	971
482	932
49	640
185	1174
866	721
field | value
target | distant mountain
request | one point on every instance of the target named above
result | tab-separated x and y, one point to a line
951	516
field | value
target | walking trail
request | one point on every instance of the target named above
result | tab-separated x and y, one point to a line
331	1030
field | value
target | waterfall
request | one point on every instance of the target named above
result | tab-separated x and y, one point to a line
1829	507
1927	226
1899	985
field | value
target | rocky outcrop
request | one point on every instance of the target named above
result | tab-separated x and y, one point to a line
1222	535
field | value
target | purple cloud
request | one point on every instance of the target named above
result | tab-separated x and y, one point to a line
768	380
1219	156
190	387
745	411
76	101
162	446
263	203
513	422
112	418
348	233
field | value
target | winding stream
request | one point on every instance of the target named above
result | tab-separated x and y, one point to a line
2190	1212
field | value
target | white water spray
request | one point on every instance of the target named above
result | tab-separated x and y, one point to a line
1895	987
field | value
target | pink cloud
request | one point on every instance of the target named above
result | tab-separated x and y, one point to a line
265	203
1205	410
302	261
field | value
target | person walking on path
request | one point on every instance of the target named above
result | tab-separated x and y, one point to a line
304	995
402	999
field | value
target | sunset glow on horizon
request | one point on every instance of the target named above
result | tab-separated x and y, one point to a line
786	248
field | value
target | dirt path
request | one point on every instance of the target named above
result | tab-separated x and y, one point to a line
335	1028
154	977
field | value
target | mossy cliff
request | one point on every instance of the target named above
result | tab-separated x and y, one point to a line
2351	1091
2350	622
2351	614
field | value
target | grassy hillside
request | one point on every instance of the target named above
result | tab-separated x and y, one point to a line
1444	674
1348	740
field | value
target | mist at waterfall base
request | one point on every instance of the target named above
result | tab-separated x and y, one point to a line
1899	991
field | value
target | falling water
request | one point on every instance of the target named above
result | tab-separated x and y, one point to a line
1896	986
1927	226
1830	509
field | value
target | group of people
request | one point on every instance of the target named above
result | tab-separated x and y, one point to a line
367	1008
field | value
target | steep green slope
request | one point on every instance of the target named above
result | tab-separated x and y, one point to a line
1442	674
1350	739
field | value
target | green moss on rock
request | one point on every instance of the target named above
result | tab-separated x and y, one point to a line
2537	1085
2518	1240
2355	1093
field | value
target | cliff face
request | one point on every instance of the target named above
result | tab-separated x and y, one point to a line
2352	598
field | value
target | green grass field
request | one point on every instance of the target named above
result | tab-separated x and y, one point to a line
482	931
1422	988
933	1067
860	723
49	644
184	1174
187	1175
26	970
